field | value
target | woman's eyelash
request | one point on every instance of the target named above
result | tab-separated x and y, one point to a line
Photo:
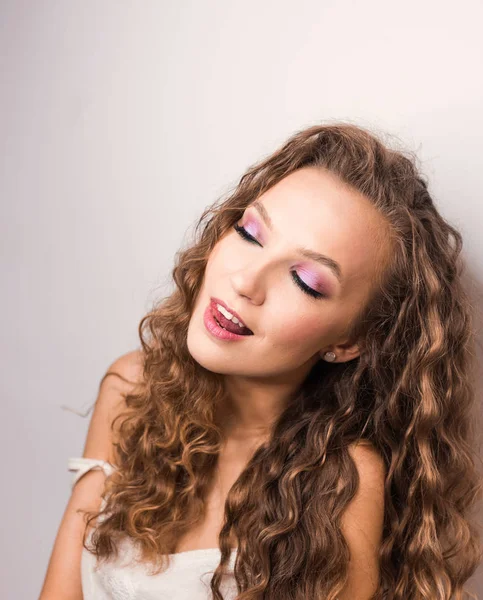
305	288
244	234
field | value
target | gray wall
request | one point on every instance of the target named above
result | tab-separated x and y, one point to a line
121	121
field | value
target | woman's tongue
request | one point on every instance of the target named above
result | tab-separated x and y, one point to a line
230	326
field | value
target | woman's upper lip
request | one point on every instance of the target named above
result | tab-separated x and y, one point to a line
230	310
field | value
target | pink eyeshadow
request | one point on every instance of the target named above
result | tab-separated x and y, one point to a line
252	228
313	280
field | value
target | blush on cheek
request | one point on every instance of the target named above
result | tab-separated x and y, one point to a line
299	331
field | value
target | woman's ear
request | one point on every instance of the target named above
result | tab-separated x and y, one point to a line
343	352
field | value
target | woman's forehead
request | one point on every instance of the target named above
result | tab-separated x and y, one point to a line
313	208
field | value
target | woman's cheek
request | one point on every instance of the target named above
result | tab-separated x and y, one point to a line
300	330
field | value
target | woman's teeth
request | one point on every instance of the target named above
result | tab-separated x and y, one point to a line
229	316
220	324
227	321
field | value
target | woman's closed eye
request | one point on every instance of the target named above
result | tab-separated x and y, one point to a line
242	232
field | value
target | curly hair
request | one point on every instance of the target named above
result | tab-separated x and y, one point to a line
411	392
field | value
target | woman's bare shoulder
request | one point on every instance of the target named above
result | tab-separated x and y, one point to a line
122	377
126	371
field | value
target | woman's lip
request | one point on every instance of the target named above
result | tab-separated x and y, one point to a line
215	301
216	330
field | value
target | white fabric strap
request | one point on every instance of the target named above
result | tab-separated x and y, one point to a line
82	465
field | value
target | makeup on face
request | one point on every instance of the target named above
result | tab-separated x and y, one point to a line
253	228
314	280
304	273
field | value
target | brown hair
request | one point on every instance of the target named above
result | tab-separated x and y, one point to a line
410	393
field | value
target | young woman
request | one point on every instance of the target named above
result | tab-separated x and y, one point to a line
298	421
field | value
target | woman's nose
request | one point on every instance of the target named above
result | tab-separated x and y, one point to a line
251	281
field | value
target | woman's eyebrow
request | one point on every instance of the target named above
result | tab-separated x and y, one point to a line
333	265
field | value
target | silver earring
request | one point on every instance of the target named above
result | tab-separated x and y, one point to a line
329	356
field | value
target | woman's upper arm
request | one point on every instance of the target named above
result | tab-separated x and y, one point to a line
63	576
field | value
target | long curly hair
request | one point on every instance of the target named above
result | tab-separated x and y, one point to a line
411	392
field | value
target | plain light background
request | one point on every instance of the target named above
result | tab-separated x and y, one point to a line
121	121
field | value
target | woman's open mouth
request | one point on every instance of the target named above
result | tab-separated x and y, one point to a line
229	325
223	328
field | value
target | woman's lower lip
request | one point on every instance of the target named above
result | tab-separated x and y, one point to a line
216	330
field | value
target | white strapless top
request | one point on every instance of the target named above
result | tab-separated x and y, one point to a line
187	578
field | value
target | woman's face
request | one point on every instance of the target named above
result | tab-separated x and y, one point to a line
259	279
